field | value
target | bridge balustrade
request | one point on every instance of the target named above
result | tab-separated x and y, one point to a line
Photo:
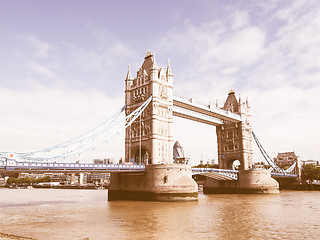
36	166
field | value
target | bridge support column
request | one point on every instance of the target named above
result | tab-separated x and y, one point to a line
249	181
81	179
159	182
73	178
257	181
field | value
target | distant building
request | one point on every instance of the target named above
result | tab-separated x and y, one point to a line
103	161
313	162
178	153
98	178
286	159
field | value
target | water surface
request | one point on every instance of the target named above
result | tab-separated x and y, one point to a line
86	214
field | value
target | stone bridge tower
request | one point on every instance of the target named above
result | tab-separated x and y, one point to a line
235	139
149	139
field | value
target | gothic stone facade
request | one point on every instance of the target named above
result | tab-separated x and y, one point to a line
149	139
235	139
285	159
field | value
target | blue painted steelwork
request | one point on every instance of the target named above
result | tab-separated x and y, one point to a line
23	166
275	168
284	175
33	166
226	172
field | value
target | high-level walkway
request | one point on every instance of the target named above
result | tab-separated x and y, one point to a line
208	114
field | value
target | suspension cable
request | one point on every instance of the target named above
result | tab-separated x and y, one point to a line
140	143
101	134
266	156
129	150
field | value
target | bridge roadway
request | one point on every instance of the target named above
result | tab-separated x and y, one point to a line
41	167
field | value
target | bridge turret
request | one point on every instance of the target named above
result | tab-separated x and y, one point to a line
169	73
128	83
247	103
231	103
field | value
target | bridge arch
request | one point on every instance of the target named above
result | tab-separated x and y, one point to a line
234	164
143	158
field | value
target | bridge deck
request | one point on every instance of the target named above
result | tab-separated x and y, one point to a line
217	176
20	166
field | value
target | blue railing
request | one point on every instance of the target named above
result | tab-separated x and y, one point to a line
31	166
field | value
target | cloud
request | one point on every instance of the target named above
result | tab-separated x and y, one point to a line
39	69
240	19
285	118
105	55
69	64
39	48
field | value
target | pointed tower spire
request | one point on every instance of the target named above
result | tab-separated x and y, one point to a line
154	64
169	72
240	104
247	103
148	53
129	76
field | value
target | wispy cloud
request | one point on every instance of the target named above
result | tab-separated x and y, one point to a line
39	69
37	47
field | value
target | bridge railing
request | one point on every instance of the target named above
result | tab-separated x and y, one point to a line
226	172
12	165
16	165
284	175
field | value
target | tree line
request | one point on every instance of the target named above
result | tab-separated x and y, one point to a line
27	180
310	172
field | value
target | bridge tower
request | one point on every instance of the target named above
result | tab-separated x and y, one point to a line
149	139
235	139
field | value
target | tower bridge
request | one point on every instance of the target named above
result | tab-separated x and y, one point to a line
149	109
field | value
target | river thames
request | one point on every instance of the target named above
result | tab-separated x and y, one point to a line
86	214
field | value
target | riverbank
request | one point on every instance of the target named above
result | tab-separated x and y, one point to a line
305	187
57	187
71	187
5	236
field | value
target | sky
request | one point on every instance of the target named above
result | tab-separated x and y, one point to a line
63	65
